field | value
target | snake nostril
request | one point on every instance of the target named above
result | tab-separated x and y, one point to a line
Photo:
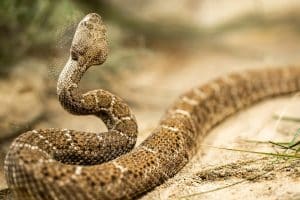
94	18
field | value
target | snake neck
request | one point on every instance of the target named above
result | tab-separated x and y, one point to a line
67	86
112	110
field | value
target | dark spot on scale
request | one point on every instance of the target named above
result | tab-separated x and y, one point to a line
46	173
93	184
73	180
102	183
186	156
161	179
113	178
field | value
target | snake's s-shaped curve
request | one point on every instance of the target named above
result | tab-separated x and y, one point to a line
53	164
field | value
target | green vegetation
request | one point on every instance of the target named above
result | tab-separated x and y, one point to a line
30	25
287	151
34	26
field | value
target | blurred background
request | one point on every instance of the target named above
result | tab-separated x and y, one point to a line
158	49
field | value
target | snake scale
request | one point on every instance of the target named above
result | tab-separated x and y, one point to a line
61	164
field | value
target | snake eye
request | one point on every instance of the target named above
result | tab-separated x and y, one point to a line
74	55
88	25
77	51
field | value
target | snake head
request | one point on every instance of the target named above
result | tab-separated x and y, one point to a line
89	45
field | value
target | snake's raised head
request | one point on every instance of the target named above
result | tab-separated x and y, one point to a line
89	45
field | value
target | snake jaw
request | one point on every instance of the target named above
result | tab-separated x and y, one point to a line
89	45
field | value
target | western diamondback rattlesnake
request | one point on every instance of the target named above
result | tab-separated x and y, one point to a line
66	164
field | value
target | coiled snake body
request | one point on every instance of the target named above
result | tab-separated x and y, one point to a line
54	164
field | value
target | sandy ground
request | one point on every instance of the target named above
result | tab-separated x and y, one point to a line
213	173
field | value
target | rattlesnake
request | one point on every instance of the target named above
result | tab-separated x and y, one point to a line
52	164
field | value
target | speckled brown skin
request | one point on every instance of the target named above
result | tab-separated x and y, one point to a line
54	164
